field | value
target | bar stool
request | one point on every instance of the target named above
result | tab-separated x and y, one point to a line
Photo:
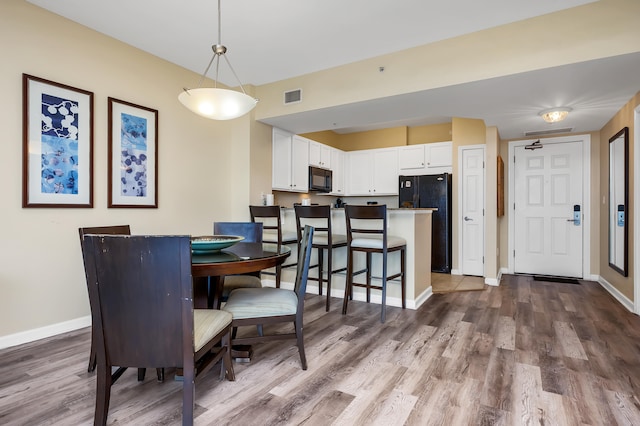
372	238
273	232
323	239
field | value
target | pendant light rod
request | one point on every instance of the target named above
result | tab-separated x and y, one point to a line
215	103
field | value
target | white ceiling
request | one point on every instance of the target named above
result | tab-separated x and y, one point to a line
272	40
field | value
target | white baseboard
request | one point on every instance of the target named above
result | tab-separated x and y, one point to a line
624	300
44	332
456	272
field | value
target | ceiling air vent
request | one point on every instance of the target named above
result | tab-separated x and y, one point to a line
293	96
548	132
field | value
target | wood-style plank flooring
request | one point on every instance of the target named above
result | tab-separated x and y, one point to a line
524	353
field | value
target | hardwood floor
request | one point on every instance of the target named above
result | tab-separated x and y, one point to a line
523	353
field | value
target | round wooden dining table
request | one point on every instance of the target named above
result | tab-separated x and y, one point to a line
208	270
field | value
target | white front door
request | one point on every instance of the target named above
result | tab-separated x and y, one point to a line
472	211
548	194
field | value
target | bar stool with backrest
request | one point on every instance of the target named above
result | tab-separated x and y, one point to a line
323	239
273	232
367	232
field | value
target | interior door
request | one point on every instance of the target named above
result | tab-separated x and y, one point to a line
548	210
472	208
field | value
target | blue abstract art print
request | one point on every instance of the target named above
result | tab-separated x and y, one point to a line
57	144
133	146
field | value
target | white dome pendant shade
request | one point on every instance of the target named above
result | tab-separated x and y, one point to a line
215	103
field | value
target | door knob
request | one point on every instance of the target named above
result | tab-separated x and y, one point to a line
467	219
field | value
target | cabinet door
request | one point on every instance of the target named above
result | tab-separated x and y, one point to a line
337	167
281	160
411	159
385	171
299	164
319	155
358	172
439	154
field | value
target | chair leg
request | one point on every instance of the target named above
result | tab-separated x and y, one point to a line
188	395
160	374
103	394
227	363
278	273
92	356
368	277
141	374
403	281
329	272
300	339
320	255
260	330
347	281
383	314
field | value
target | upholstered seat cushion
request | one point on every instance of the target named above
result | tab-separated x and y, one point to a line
321	239
206	324
375	242
261	302
232	282
271	236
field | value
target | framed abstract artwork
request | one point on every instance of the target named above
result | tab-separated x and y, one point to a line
57	130
133	155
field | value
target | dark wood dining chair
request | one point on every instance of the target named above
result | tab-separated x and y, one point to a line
110	230
142	306
367	233
273	233
323	239
252	233
268	305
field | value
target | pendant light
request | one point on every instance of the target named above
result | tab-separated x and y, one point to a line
213	102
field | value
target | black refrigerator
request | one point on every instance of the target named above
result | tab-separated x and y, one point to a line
432	191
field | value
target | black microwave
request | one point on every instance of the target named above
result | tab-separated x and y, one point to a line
319	179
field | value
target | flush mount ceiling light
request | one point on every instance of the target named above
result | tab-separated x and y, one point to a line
553	115
215	103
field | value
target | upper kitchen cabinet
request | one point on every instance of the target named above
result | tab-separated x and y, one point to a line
439	157
411	158
425	159
290	162
337	168
319	155
372	172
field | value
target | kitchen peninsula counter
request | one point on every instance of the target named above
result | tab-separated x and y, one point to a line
414	225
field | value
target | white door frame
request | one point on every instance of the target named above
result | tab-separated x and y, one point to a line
484	203
636	213
586	198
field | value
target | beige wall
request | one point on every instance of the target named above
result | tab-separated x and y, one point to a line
429	133
41	274
624	118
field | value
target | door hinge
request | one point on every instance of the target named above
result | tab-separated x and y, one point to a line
514	253
482	259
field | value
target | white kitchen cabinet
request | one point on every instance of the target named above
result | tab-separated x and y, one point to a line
337	175
319	155
439	157
372	172
290	162
411	159
425	159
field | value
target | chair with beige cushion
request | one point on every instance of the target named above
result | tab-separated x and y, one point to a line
273	233
141	296
367	233
267	305
323	239
252	233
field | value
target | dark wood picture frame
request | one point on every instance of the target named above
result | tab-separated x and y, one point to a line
57	149
133	155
